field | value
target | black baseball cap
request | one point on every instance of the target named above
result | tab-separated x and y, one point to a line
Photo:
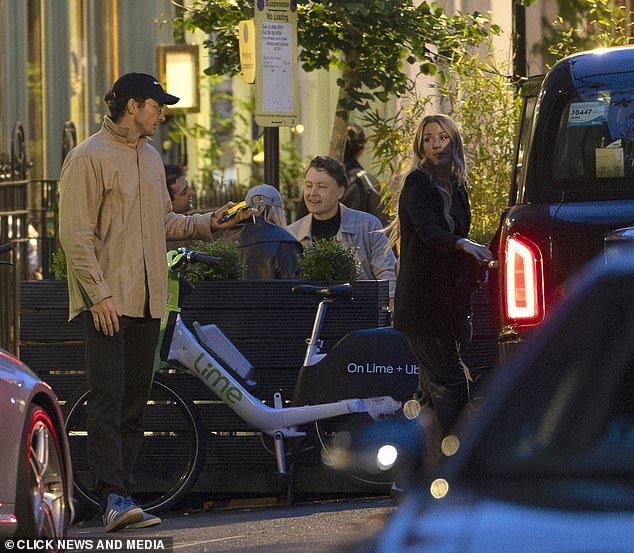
141	85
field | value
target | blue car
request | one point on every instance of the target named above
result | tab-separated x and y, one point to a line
547	464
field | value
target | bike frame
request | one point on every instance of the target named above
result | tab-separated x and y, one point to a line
187	352
180	347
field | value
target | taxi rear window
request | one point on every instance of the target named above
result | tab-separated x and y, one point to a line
593	155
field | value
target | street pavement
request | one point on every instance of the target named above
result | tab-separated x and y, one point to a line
316	527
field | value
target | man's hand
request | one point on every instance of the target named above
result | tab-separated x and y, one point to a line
480	252
237	218
105	317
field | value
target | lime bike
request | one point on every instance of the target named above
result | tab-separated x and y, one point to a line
332	392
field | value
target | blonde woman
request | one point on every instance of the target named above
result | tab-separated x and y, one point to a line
438	266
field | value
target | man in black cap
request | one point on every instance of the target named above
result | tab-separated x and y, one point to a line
115	215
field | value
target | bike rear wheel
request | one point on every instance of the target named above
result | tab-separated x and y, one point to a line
171	457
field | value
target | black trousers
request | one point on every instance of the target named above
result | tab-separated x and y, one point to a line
443	385
120	370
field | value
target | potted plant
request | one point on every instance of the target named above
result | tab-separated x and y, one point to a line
327	259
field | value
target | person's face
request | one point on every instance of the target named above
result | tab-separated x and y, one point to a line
183	196
149	115
322	194
437	145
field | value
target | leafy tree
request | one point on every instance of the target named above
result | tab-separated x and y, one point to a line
482	100
369	40
583	25
484	103
218	139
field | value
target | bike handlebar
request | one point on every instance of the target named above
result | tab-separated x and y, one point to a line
5	248
200	257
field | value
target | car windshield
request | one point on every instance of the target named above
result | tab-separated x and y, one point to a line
593	155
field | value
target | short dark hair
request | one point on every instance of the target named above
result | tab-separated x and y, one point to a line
117	106
331	166
172	174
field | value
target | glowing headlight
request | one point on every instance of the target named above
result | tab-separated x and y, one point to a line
386	457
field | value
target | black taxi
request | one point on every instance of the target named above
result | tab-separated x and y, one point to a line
572	184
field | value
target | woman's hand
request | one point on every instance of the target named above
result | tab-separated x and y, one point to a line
480	252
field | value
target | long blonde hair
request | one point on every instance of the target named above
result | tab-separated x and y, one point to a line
419	161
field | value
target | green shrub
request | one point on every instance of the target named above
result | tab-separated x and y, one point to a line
328	259
229	269
59	265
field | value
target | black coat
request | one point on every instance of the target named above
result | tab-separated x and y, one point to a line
434	281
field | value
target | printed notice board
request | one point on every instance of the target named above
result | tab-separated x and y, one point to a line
277	94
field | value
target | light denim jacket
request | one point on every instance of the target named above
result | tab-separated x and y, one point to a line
363	231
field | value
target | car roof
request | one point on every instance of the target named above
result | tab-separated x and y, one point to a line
602	61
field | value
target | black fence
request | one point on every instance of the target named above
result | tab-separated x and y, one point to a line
14	230
28	222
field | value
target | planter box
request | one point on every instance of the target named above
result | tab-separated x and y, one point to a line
264	319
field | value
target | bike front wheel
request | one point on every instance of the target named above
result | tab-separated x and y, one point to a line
171	458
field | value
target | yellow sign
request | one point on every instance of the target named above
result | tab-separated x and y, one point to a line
277	91
247	50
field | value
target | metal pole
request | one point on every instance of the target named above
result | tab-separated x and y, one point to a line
519	40
272	156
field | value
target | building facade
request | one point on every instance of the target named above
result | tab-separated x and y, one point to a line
57	60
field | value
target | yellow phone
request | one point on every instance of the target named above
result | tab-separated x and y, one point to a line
232	211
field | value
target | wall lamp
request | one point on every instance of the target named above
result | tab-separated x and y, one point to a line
178	72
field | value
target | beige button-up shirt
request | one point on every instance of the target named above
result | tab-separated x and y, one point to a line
115	215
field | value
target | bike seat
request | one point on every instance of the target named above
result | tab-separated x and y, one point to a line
343	291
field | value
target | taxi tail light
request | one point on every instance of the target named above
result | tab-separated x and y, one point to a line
523	282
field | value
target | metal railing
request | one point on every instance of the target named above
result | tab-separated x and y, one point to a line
14	230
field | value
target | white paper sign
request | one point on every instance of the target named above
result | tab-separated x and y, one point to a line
277	68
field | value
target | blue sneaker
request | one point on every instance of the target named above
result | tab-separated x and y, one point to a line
120	512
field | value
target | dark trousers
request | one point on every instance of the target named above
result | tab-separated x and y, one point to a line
443	385
120	370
